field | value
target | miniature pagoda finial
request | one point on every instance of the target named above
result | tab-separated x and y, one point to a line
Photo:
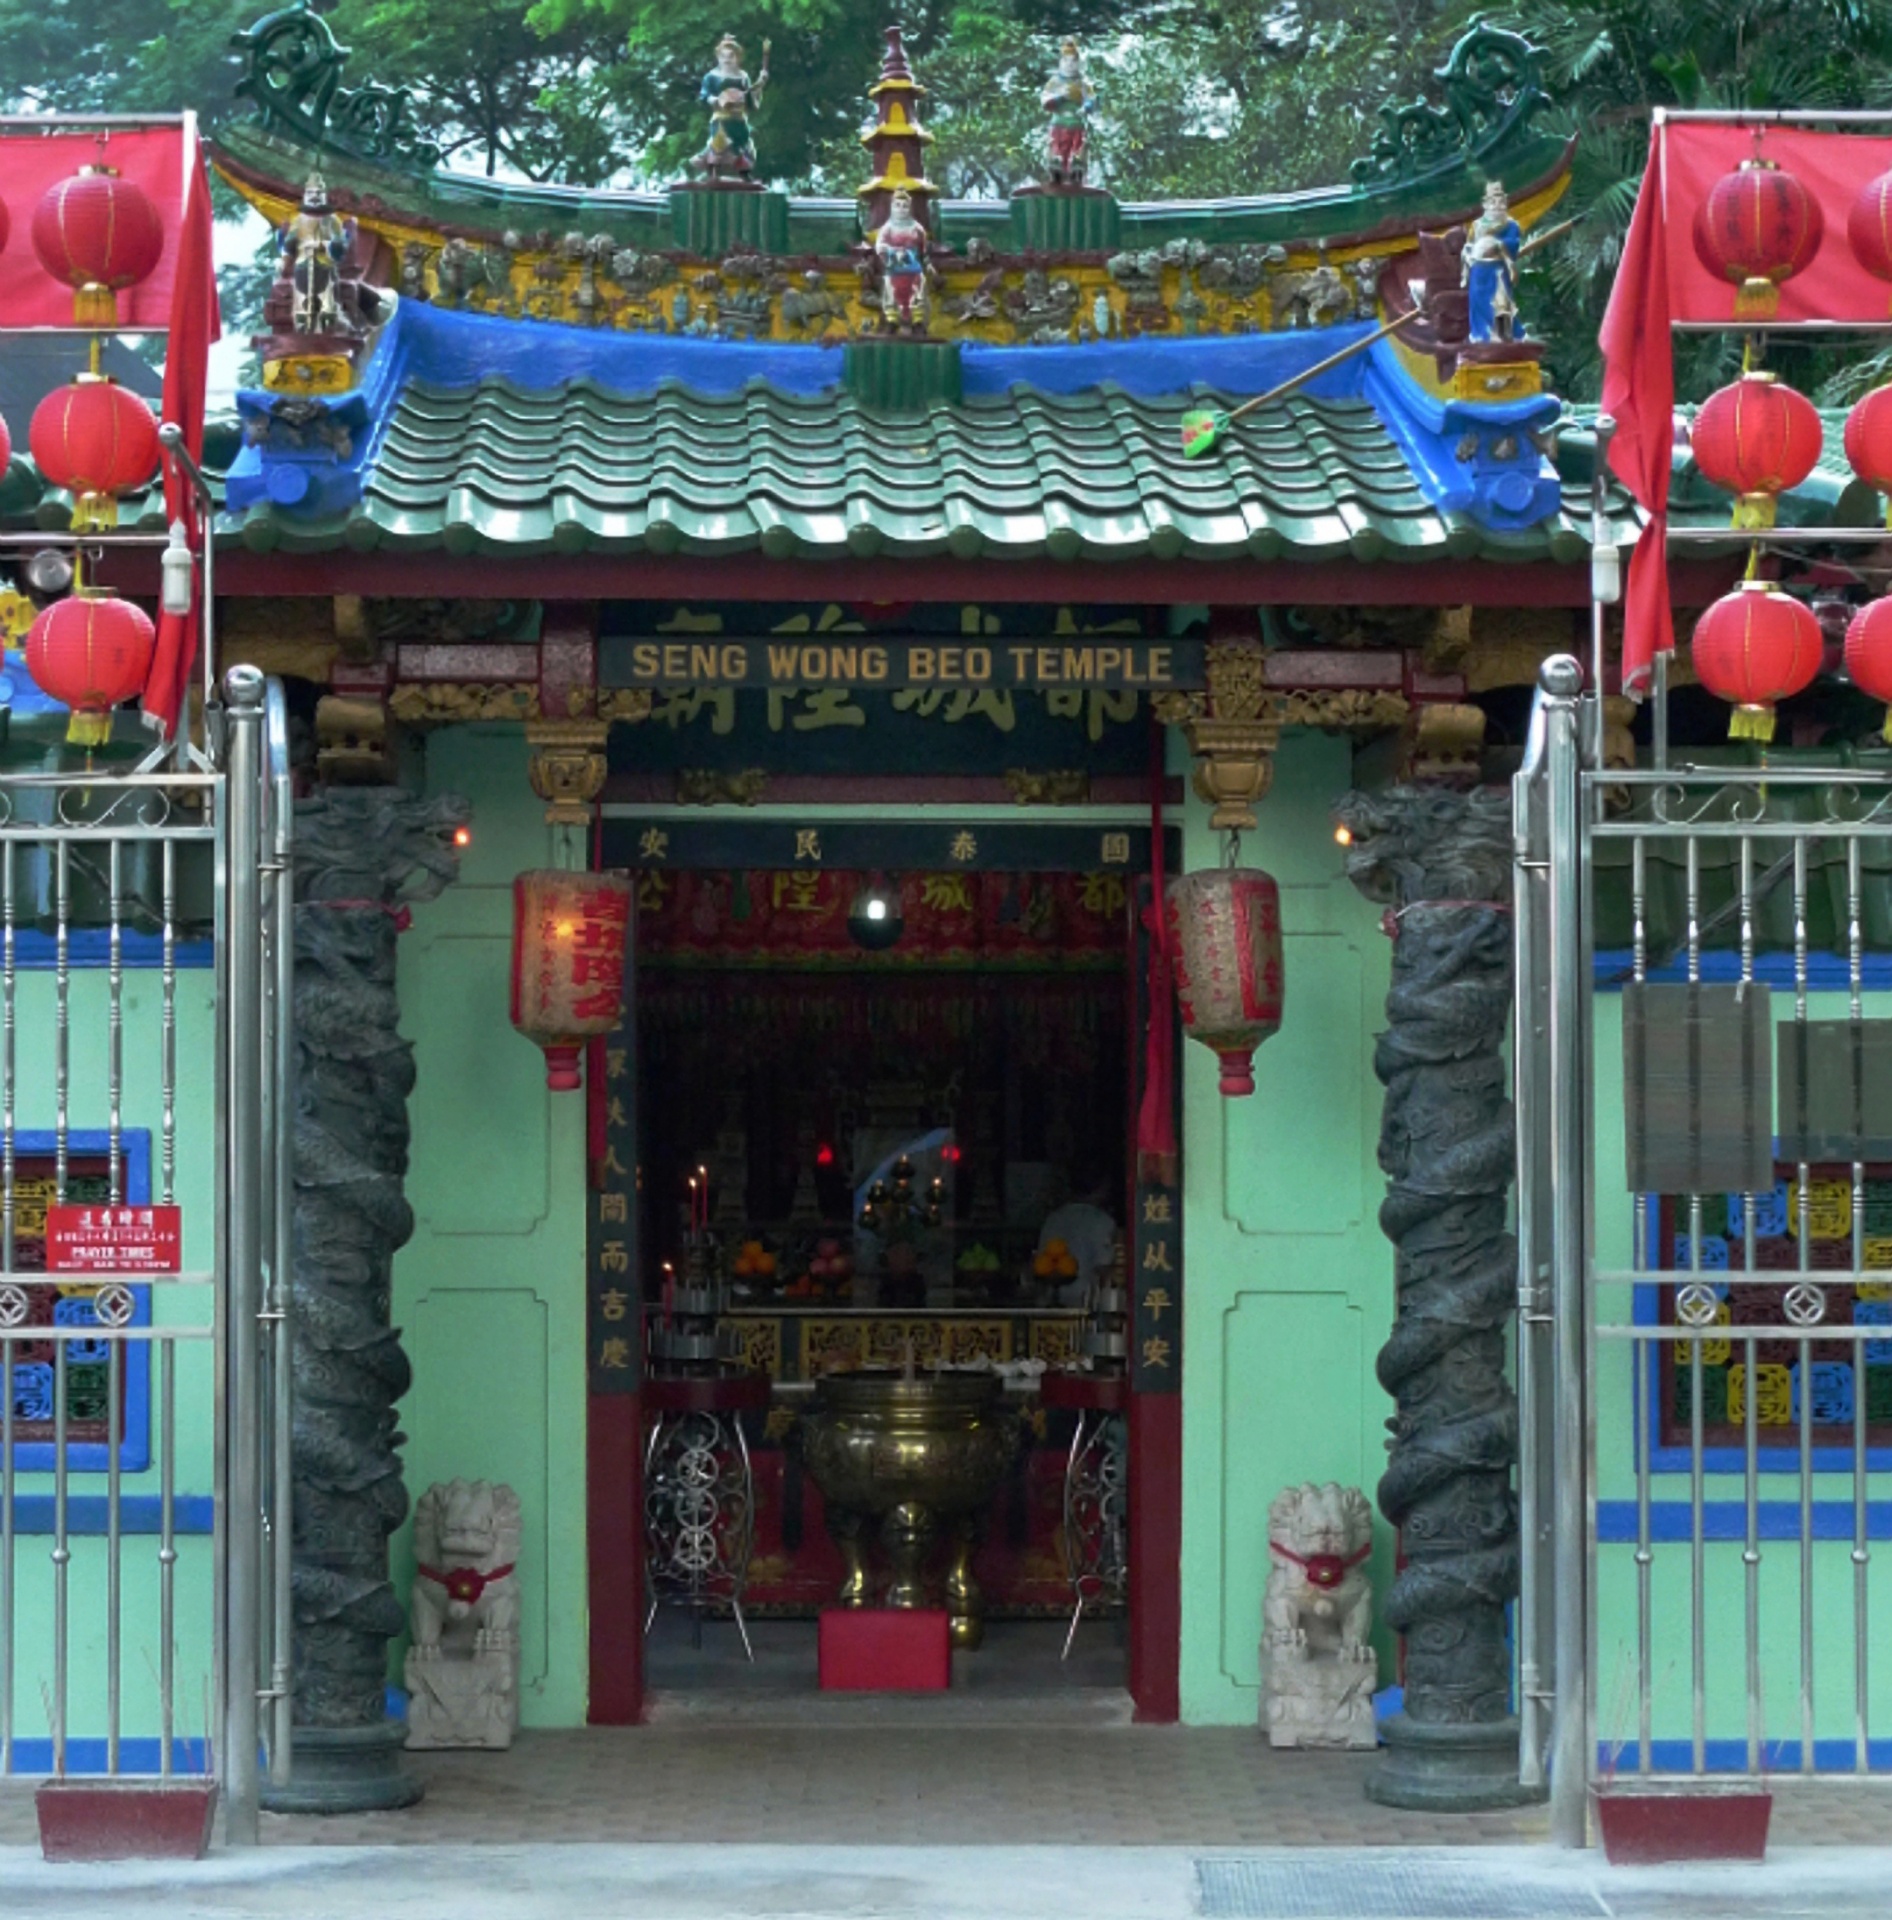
733	100
1068	99
1489	272
896	144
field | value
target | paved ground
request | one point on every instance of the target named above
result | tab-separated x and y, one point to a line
884	1883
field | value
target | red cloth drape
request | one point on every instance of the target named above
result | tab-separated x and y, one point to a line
1639	394
194	324
1156	1118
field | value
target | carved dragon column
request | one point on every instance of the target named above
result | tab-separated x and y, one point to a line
361	855
1441	861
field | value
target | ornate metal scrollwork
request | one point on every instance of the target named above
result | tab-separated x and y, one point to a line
1493	85
293	73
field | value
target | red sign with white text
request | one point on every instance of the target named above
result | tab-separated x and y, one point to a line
113	1239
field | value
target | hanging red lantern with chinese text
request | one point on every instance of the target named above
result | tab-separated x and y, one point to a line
1758	227
568	941
96	441
1868	655
100	234
1754	647
91	650
1869	227
1225	942
1759	439
1869	442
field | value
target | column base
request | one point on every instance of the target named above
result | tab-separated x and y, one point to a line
345	1770
1449	1768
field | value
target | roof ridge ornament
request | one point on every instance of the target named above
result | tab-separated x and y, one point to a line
1493	82
292	72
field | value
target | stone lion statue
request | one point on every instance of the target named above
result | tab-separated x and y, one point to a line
463	1666
1318	1665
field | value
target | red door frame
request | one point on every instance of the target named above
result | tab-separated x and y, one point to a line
614	1503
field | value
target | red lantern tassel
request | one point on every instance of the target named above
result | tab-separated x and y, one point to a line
1751	722
1757	299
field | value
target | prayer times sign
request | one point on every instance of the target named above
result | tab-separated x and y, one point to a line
1035	665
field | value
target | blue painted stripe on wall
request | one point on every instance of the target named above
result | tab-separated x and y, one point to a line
137	1513
1670	1521
1730	1756
36	952
1826	972
88	1756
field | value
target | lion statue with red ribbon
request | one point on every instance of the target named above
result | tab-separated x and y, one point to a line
1318	1665
463	1666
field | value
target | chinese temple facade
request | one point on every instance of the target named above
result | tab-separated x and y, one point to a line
891	598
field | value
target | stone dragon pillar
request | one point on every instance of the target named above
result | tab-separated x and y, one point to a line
362	854
1441	861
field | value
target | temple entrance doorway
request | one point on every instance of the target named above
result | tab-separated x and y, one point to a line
882	1207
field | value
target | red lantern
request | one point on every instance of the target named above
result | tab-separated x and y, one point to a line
1758	227
1869	227
1869	442
568	937
1753	647
97	441
1225	933
1757	438
1869	653
91	651
100	234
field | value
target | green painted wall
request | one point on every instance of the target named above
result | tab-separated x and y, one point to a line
489	1293
1290	1284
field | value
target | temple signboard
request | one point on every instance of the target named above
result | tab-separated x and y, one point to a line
670	661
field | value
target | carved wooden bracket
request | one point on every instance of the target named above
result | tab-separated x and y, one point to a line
1233	731
567	767
351	741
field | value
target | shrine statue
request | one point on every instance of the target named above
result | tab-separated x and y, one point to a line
733	100
1068	98
1318	1667
462	1669
1489	268
901	248
314	245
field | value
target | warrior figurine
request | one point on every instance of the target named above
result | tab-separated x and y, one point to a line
1489	269
733	100
314	245
901	248
1068	98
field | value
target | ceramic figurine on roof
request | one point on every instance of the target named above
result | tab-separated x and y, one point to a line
900	250
733	100
314	245
1068	98
1490	269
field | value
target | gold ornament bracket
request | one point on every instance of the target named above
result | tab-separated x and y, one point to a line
567	767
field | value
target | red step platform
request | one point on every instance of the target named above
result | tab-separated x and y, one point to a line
886	1649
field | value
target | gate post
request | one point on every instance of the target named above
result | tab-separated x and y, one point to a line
1567	1106
242	1302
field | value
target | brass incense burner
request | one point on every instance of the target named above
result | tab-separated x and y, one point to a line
916	1456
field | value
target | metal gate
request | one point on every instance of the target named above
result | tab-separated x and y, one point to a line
145	962
1704	1086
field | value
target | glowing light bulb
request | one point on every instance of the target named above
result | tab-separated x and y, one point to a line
1343	836
463	836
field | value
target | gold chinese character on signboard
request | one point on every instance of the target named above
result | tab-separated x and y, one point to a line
614	1207
614	1303
615	1353
1101	893
614	1115
614	1257
616	1062
946	892
651	888
807	843
1156	1257
1156	1352
824	707
1157	1209
1115	850
964	846
654	844
795	891
1157	1302
612	1164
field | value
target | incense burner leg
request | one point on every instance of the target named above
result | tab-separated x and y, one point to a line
907	1533
965	1598
848	1532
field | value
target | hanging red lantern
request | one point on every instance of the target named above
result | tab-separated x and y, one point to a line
568	940
1869	442
1753	647
1868	654
1225	939
1869	227
1758	227
1758	439
100	234
91	650
97	441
